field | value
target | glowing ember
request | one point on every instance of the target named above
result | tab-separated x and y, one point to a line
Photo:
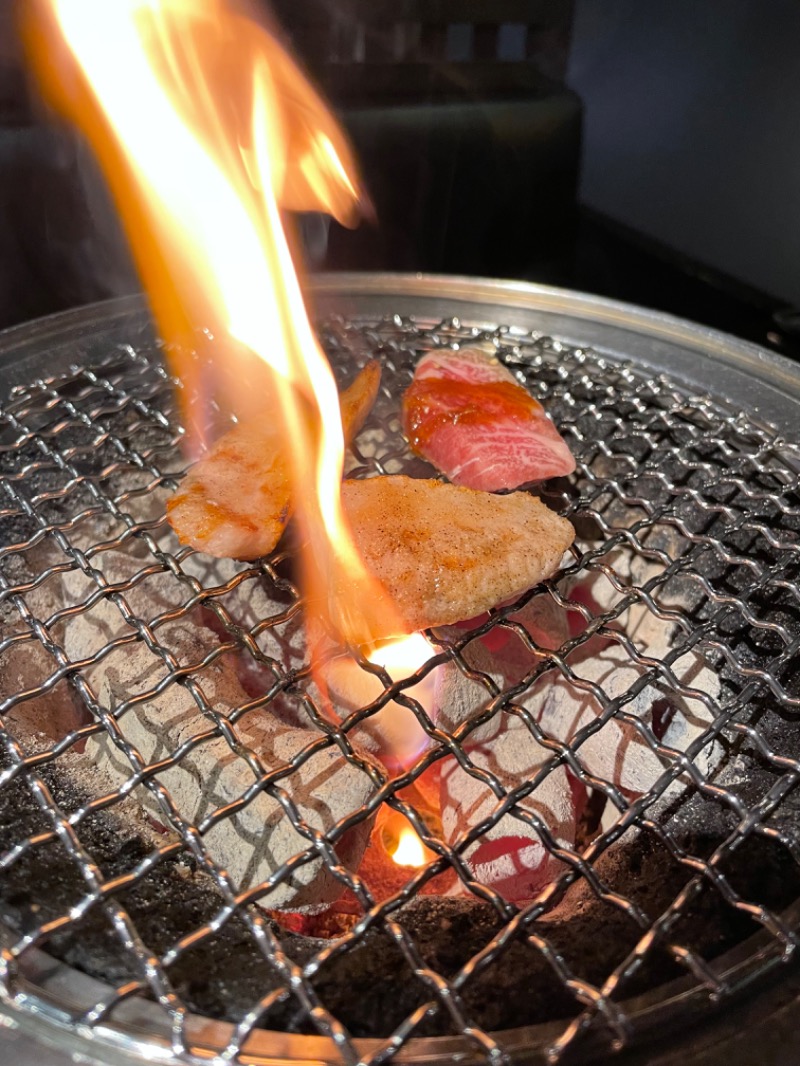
410	850
206	129
401	843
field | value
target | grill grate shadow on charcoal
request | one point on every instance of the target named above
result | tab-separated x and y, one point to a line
182	820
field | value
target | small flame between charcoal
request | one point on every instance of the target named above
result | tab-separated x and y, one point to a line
410	850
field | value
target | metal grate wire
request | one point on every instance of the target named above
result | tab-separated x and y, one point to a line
687	511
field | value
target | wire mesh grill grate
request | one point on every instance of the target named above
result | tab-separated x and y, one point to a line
159	708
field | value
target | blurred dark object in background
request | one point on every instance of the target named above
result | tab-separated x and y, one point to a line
691	159
60	244
691	129
468	139
623	264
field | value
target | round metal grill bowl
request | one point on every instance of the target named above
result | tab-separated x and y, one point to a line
674	901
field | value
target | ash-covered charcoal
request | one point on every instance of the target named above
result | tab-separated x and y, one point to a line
254	842
138	678
138	681
510	856
53	709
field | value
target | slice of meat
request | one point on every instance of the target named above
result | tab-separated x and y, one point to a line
235	502
445	553
467	414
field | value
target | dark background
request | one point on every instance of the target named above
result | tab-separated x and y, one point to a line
643	150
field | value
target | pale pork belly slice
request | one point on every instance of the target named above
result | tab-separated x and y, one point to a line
468	415
235	502
445	553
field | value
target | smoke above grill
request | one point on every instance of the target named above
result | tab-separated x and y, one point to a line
182	823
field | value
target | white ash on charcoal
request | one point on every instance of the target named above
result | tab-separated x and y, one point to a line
506	654
242	600
26	666
253	843
619	753
674	716
259	838
48	716
238	600
511	857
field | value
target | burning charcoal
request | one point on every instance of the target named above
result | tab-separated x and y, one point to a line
45	717
510	856
26	665
151	591
619	753
253	606
260	837
257	839
394	855
504	655
394	733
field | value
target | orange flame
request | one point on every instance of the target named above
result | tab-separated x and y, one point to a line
206	129
401	842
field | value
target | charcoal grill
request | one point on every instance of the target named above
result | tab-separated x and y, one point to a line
126	945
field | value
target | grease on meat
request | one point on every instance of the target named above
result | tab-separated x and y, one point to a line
468	415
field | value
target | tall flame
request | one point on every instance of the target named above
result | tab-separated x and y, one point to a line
206	129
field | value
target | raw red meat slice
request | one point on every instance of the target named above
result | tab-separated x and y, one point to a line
467	414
